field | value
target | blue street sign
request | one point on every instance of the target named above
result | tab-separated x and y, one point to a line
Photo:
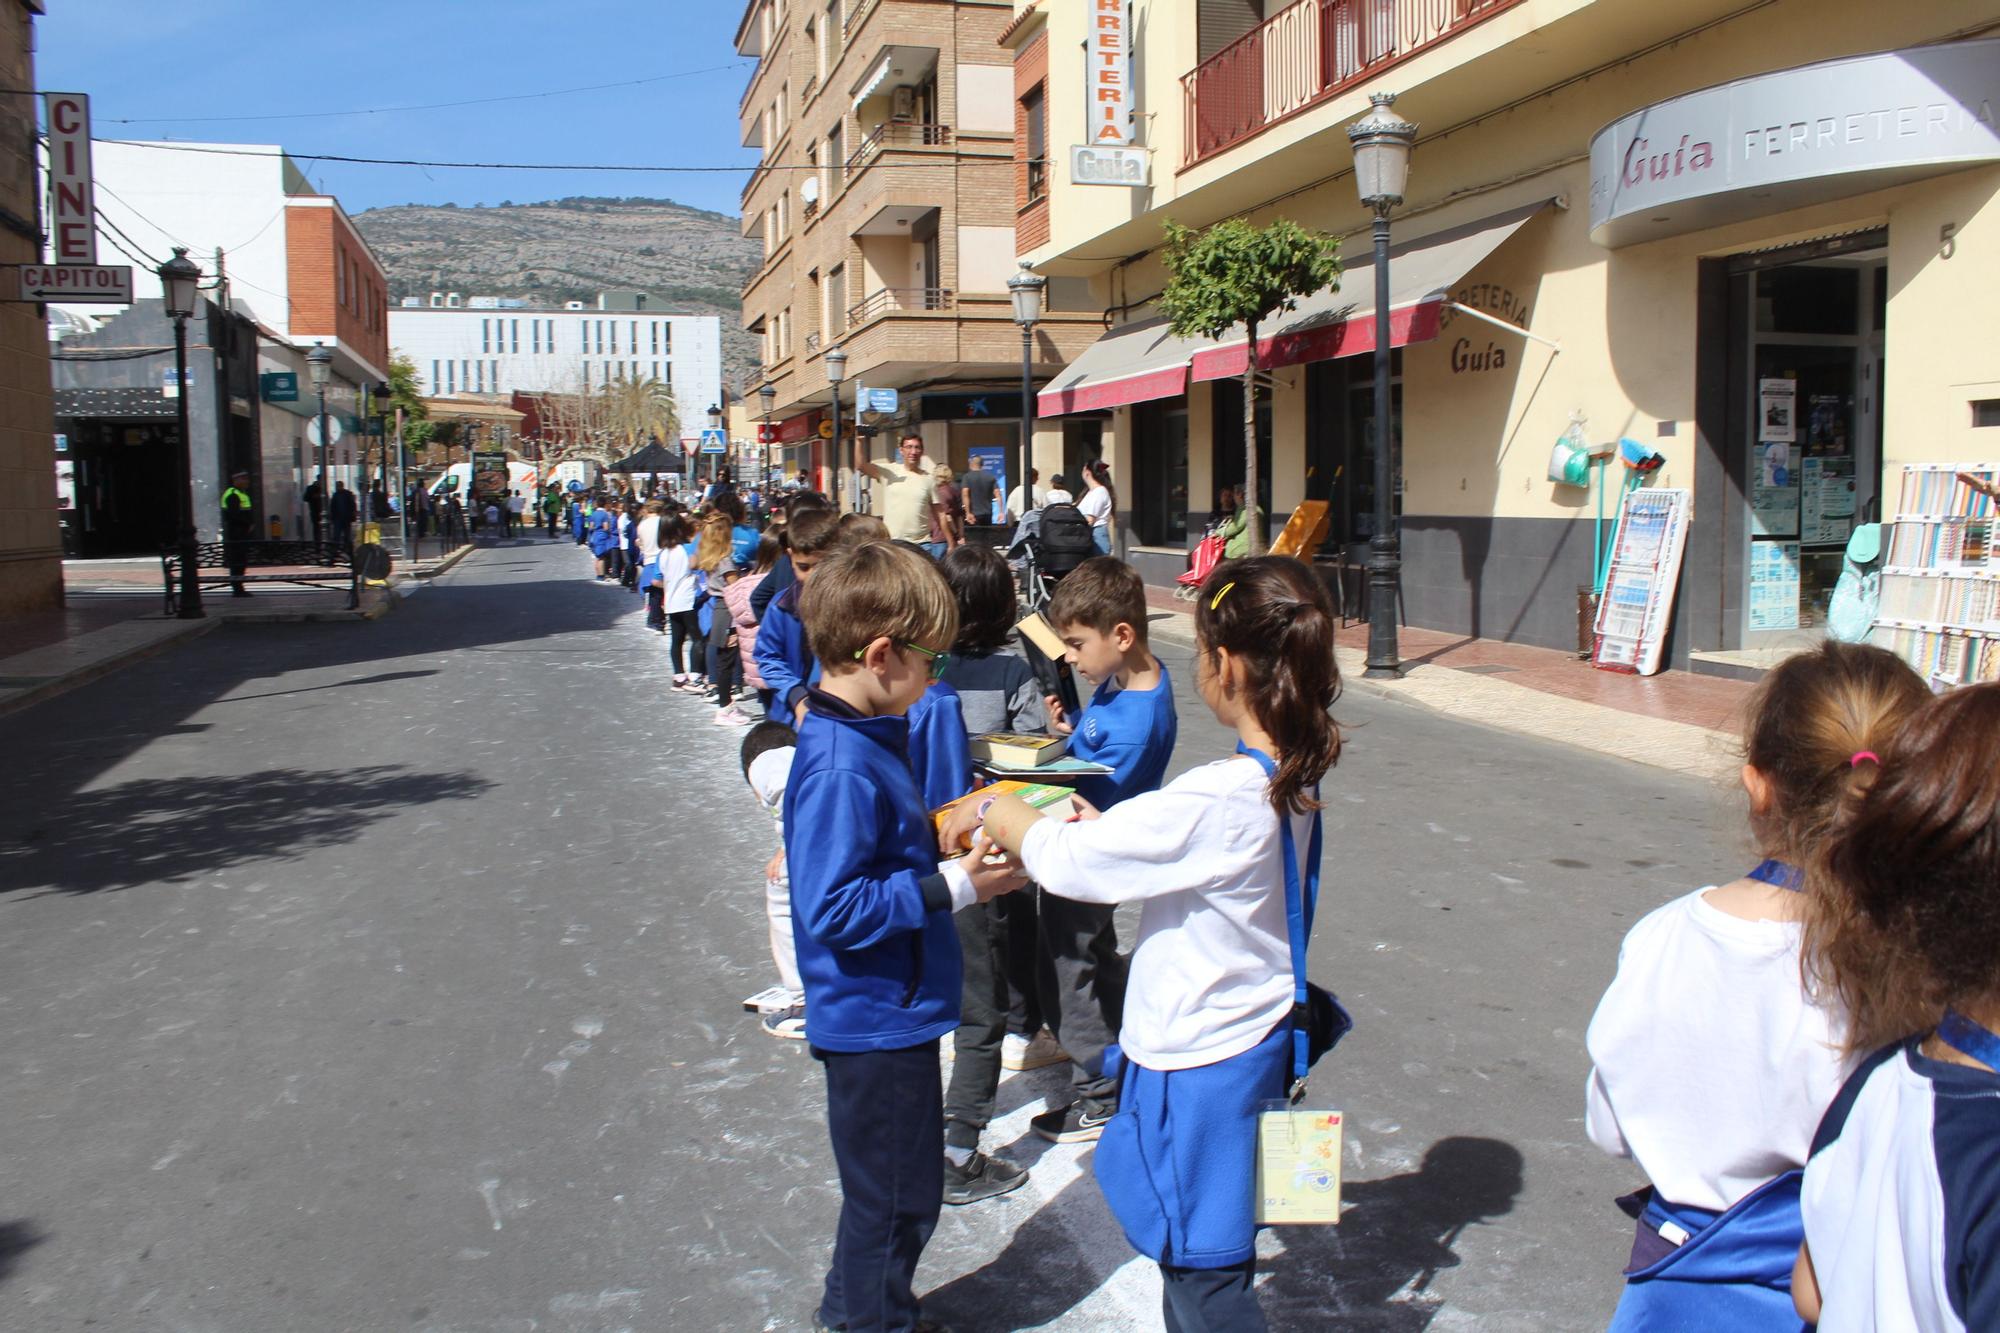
714	441
880	400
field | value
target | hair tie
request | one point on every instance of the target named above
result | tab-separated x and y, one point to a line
1859	755
1221	593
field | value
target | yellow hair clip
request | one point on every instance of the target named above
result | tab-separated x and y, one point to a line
1221	593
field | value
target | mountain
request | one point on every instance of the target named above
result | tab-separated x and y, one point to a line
688	260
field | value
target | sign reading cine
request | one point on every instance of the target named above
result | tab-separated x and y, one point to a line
75	277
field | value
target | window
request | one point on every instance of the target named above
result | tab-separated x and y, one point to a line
836	299
340	277
479	376
785	331
784	214
635	335
450	378
833	28
465	375
656	370
667	380
1034	117
586	376
485	336
535	336
667	338
496	377
834	154
435	385
514	334
614	337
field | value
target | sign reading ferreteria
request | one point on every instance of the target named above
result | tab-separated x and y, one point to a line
1794	137
1107	62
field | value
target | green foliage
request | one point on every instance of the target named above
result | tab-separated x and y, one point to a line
1237	273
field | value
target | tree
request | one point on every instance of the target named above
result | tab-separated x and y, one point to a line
1236	273
638	411
418	429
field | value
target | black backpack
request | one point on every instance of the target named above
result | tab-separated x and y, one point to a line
1065	537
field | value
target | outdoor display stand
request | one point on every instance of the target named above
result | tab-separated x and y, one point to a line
1304	530
1940	601
1639	586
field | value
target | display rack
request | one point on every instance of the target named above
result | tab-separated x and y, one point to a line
1939	607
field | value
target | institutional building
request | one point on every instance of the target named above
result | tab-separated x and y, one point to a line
886	204
1662	219
30	541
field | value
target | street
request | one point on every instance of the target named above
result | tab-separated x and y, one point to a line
388	976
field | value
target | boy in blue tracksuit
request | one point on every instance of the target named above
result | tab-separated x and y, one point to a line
783	659
1099	612
872	918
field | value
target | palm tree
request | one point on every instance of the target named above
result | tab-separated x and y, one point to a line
637	411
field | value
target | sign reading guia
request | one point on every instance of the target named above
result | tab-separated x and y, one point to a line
1108	68
72	211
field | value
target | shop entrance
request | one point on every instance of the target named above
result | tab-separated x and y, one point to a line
125	479
1810	408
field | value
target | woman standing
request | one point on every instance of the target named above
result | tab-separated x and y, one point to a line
1099	503
948	517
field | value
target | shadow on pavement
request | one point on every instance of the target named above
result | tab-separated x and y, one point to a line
16	1239
1038	1278
381	679
164	830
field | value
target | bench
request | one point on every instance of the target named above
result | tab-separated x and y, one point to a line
308	564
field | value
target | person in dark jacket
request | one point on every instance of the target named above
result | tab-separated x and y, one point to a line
239	527
340	512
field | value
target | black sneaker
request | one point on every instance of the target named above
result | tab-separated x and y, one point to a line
981	1178
923	1326
1082	1121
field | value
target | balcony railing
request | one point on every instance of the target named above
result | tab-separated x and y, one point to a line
812	86
897	134
1303	55
809	211
812	343
894	300
857	11
1038	178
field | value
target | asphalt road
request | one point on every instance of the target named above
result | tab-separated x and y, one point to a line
388	976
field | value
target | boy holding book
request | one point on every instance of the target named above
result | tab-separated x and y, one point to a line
1129	725
872	917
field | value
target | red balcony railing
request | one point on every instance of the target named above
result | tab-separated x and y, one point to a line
1303	55
890	300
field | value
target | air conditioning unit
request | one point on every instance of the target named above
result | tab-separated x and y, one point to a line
903	103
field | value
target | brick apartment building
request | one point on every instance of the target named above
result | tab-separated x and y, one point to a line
30	546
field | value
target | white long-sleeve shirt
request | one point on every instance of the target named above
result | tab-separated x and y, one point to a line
646	536
1711	1067
1212	970
677	577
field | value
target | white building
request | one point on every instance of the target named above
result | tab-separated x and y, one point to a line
473	349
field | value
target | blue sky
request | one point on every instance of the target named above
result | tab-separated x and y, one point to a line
213	58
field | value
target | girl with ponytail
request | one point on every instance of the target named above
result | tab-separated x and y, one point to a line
1212	858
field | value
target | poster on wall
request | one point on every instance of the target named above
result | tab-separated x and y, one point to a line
1826	500
1774	585
1777	402
1774	491
1638	599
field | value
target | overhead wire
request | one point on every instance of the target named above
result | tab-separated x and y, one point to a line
470	166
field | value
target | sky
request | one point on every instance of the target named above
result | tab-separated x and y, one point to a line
166	65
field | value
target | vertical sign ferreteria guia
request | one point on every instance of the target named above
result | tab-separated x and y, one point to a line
1108	71
72	202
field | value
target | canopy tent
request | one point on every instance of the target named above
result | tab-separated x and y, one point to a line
1142	361
655	457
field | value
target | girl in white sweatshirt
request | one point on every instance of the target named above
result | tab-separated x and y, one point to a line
1206	1035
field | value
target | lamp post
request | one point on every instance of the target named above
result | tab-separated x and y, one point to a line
1025	287
179	278
379	399
715	423
1382	141
836	371
319	361
768	396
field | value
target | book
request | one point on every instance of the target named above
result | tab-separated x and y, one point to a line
1067	768
1044	650
1041	795
1013	750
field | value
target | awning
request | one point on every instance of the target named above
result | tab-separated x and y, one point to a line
1142	361
1340	321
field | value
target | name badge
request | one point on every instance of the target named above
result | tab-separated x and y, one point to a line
1298	1166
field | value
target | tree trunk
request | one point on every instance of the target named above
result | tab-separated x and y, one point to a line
1251	508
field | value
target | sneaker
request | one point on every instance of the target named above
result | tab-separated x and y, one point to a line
923	1326
690	686
1020	1053
982	1178
732	716
787	1023
1082	1121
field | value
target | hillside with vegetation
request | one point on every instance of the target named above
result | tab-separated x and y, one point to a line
688	260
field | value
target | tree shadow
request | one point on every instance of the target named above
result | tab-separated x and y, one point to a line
16	1239
169	829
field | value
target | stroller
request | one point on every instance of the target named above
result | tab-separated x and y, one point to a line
1207	554
1049	543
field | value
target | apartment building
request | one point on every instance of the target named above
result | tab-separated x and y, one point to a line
886	203
30	533
1655	217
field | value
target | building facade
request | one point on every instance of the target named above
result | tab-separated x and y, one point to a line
531	350
886	203
1657	220
30	540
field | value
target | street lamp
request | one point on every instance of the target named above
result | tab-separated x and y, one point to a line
179	277
1382	141
768	395
1025	287
715	423
836	371
381	395
319	361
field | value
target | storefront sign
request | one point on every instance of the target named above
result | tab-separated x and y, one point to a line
969	406
1109	166
72	199
279	386
1776	141
1107	72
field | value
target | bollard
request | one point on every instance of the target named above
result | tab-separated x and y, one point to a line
277	528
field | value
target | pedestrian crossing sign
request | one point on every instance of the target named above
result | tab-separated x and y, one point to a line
714	441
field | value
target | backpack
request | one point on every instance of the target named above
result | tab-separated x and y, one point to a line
1065	538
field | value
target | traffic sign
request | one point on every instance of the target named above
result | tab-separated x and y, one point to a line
714	441
81	284
880	400
333	430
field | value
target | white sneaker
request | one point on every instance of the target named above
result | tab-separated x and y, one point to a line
1021	1053
732	716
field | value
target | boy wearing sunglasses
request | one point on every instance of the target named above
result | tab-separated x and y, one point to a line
872	916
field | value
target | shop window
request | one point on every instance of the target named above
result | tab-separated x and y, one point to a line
1340	443
1157	490
1808	299
1227	434
1985	413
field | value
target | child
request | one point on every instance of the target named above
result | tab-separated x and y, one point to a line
768	749
677	598
737	598
1902	1195
715	565
871	916
1099	612
1206	1036
1712	1066
783	659
997	691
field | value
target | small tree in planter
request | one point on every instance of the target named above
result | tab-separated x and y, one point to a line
1237	273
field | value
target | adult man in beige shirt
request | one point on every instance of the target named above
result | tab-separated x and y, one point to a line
909	494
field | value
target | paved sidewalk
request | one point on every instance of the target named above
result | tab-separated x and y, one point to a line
1675	721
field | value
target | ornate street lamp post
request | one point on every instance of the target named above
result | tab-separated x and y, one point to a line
836	371
768	396
179	278
1382	143
1025	287
319	361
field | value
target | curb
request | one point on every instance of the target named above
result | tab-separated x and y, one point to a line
441	565
104	666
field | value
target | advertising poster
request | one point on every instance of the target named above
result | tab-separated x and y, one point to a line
489	474
1774	491
1639	591
1777	406
1826	500
1774	585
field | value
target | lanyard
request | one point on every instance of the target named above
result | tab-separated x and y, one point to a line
1299	905
1779	873
1970	1038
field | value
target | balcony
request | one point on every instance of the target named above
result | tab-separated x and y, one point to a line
1303	55
896	301
812	344
896	134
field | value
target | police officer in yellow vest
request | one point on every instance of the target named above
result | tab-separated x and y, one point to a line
239	527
